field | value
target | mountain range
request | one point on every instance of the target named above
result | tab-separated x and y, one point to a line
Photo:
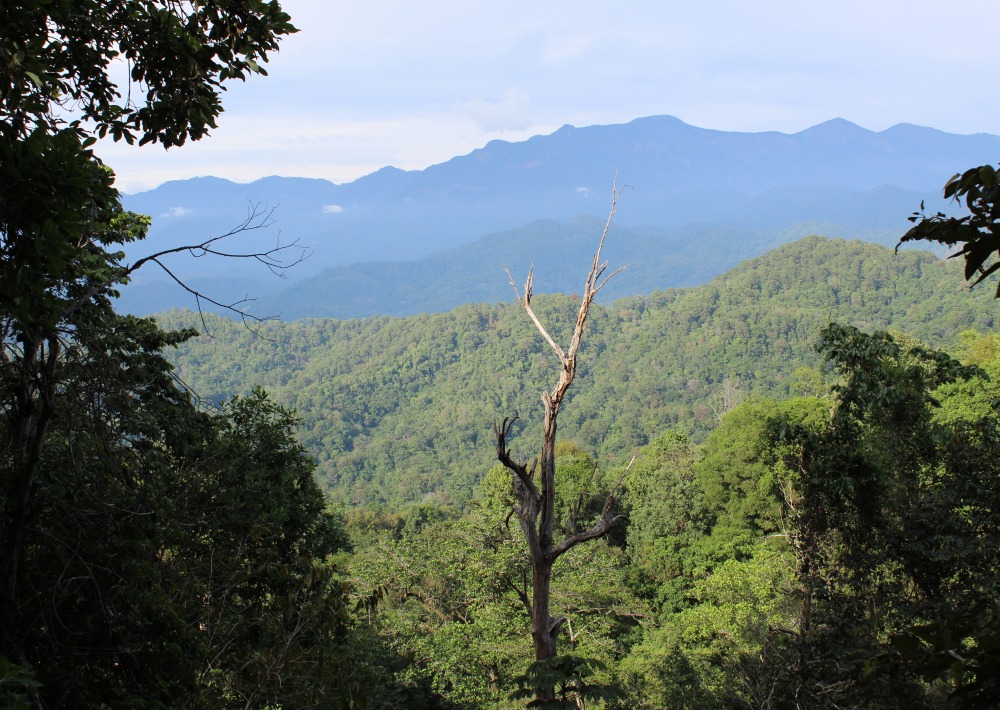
695	202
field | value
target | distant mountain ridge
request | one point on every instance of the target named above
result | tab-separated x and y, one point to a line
682	179
559	253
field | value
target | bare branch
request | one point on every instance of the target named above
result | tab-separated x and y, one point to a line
597	269
257	218
513	285
601	527
603	524
501	430
609	277
537	505
521	592
526	302
234	307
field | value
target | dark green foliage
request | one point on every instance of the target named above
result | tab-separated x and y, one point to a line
60	53
152	555
253	537
59	211
892	518
964	646
831	553
162	536
18	688
738	480
977	235
567	675
89	577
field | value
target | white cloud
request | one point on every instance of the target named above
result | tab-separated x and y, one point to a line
510	113
332	209
177	212
585	191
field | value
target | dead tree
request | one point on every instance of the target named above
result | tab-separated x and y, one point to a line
534	484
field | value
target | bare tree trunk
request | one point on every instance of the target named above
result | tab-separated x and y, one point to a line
542	635
535	496
730	395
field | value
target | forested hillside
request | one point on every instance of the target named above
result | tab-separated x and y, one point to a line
827	551
401	409
748	505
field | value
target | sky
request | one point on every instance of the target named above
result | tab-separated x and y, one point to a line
368	84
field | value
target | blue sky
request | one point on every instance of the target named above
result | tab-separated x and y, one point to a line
387	82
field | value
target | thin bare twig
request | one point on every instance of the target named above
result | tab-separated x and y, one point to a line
257	218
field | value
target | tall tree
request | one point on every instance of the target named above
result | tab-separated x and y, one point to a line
890	508
250	536
96	435
535	495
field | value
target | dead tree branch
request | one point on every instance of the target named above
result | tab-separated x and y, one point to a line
535	486
274	259
603	524
523	472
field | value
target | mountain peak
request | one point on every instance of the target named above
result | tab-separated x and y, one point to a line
659	121
834	126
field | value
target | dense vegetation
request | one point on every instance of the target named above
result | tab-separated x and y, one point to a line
774	556
832	542
795	559
399	410
152	555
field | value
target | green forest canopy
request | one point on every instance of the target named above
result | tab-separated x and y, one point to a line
401	409
157	555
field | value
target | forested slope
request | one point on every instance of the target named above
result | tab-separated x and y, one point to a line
399	409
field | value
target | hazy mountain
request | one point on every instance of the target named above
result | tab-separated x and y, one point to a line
561	253
683	182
